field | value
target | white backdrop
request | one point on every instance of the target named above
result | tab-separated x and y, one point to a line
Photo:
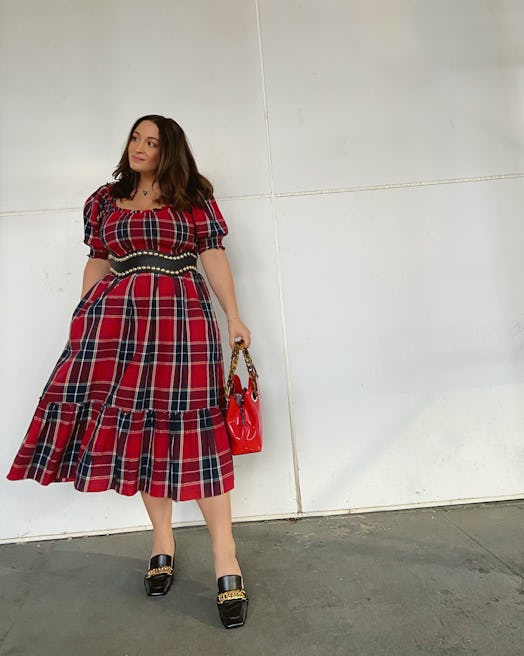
368	157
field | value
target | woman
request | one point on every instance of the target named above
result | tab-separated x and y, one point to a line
136	400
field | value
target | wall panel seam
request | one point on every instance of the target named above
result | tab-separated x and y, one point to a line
294	451
305	192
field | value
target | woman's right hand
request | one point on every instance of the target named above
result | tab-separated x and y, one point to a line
95	269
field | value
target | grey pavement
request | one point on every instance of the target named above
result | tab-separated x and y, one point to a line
429	581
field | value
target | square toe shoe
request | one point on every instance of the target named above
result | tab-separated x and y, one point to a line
159	576
232	601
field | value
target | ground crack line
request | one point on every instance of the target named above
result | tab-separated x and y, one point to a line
493	555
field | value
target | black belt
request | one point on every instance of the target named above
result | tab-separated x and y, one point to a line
153	261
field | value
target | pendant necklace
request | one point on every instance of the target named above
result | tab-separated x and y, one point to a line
146	191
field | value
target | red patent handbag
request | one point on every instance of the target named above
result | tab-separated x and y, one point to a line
243	414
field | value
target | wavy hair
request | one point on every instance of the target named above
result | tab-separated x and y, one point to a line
181	185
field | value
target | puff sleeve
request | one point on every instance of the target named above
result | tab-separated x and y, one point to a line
93	210
210	226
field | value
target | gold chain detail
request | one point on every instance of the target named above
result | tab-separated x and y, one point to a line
230	595
166	569
252	372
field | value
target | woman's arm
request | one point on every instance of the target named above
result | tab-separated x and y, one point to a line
95	269
218	272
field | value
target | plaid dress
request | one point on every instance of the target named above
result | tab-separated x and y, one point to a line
136	399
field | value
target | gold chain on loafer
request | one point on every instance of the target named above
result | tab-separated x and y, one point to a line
166	569
230	595
158	580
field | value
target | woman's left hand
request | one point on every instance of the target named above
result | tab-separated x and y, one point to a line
238	329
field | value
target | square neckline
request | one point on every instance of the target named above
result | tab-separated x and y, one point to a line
128	209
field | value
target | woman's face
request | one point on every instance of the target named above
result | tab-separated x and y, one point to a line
143	150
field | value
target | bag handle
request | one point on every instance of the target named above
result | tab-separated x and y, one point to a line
241	346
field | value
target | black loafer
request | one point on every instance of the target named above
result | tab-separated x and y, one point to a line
232	601
159	576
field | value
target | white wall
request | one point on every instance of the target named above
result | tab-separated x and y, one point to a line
368	156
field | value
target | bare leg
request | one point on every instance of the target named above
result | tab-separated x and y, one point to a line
160	512
217	513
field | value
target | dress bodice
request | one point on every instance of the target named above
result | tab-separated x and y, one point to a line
113	229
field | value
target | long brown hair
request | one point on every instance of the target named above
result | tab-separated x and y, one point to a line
181	185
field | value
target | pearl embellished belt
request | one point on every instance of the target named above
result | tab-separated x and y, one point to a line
153	261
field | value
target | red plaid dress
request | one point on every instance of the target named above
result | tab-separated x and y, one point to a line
136	399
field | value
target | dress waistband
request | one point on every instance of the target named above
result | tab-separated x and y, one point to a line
153	261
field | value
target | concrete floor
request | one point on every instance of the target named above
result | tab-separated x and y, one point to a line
428	581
